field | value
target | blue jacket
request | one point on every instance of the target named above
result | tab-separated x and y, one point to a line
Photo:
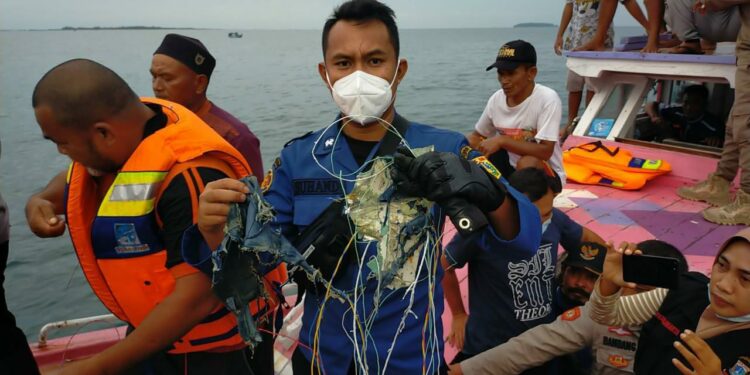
299	191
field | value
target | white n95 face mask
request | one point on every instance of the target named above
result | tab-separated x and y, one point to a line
362	96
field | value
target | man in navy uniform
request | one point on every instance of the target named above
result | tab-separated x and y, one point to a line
362	69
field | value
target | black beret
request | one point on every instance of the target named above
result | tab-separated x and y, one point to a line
189	51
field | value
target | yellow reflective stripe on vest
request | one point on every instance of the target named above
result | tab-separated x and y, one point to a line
70	173
132	194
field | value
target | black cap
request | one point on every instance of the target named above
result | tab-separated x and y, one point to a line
588	255
189	51
513	54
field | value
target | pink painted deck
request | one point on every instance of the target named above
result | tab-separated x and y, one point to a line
654	212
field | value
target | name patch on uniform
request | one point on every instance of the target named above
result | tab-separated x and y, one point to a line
127	239
618	361
571	314
619	344
317	187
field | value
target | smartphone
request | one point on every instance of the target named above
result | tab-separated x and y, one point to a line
662	272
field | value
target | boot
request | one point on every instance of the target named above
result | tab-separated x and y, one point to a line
735	213
714	190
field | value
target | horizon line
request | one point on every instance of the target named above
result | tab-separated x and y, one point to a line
140	28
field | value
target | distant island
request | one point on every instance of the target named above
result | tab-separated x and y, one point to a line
126	28
535	24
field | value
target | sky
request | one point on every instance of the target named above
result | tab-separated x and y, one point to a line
272	14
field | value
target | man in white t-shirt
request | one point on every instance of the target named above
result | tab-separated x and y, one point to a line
521	123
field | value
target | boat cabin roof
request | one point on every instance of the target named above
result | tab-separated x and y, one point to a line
707	68
624	80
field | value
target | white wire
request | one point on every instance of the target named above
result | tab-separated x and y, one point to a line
360	349
387	125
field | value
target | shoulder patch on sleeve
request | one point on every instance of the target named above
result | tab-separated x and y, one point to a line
268	178
468	153
465	152
571	314
300	137
487	166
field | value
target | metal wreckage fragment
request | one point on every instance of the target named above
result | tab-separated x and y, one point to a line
401	225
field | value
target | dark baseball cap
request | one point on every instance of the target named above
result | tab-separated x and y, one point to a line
513	54
589	255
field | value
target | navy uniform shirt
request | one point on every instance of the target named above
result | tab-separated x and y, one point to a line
299	190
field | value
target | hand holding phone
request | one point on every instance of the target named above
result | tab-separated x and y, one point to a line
663	272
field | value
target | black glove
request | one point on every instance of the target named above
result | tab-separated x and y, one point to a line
439	176
466	217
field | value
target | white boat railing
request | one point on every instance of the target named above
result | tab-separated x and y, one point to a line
73	323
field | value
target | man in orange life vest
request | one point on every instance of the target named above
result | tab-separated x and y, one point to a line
132	189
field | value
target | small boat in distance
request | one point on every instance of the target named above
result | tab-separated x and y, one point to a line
235	34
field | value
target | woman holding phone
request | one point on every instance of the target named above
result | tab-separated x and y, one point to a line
702	327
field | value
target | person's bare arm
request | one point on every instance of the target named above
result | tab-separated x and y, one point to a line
635	11
190	302
474	139
567	14
590	236
535	346
452	293
655	12
542	150
652	110
43	208
213	208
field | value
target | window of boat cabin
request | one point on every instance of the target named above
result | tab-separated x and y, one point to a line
685	113
605	119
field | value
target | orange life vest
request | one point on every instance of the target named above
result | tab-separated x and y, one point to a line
117	240
596	164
